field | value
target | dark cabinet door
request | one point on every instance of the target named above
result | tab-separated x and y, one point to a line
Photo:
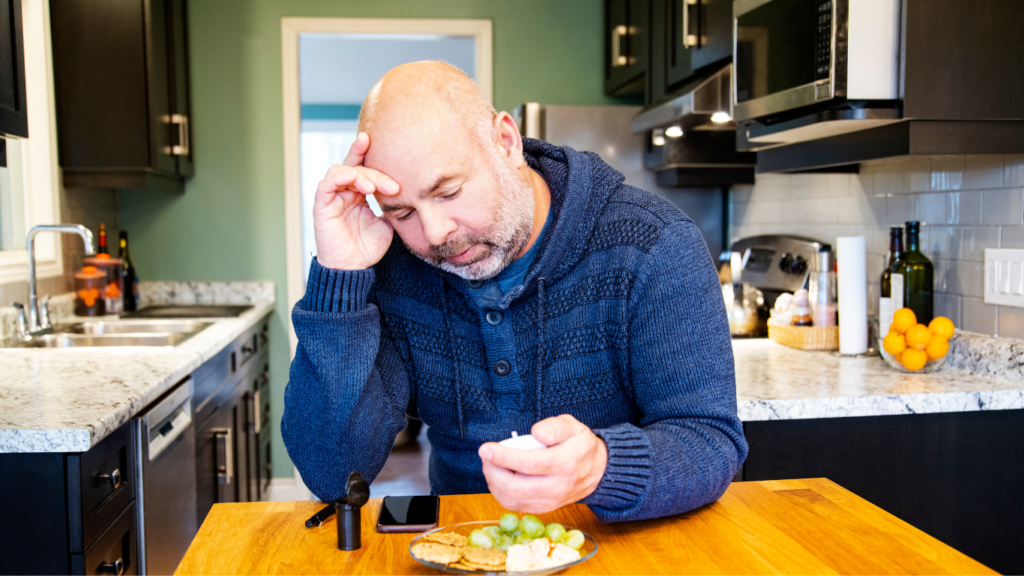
217	477
698	35
626	46
121	84
253	427
13	115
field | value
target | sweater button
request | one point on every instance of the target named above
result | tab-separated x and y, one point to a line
493	317
502	368
476	283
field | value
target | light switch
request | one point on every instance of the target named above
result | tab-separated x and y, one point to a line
1004	277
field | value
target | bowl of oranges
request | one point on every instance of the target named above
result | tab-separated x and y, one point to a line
913	347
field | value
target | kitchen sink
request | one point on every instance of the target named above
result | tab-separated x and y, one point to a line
118	333
94	340
135	327
191	311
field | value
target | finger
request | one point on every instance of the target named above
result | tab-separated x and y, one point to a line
532	462
358	150
553	431
365	180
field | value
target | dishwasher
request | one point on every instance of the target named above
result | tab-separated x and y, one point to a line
165	445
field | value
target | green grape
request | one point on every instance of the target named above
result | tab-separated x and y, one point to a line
503	542
555	532
493	531
509	522
574	539
522	539
532	526
480	539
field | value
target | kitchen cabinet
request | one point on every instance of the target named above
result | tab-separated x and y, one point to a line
121	83
689	40
70	513
13	115
626	35
956	476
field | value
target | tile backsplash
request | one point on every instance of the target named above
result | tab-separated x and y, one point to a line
965	204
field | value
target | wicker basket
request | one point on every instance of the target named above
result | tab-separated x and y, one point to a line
805	337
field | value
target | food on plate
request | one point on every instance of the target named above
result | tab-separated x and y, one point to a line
512	545
436	552
449	538
538	555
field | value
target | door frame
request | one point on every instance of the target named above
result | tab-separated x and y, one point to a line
291	28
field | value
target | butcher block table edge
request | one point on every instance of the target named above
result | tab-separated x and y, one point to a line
808	526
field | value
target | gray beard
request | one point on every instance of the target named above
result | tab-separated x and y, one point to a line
511	224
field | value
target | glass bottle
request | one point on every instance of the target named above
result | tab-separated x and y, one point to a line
131	279
103	240
918	277
886	301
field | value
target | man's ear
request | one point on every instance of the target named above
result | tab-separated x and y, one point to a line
509	141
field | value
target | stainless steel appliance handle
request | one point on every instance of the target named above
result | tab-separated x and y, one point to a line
618	58
225	456
116	567
689	40
114	478
254	404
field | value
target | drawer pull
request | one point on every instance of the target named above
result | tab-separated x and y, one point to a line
225	457
116	567
253	399
114	478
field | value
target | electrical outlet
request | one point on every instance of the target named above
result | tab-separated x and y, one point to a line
1004	277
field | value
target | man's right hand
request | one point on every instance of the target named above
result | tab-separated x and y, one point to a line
348	234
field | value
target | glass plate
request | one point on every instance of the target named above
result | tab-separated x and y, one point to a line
587	551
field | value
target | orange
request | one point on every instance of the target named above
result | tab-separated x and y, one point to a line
942	326
894	343
937	348
913	359
918	336
902	320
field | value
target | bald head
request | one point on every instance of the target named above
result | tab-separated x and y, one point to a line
425	92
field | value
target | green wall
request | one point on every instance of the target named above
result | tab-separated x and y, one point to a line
229	224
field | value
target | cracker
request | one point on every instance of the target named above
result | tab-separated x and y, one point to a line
487	558
435	552
449	538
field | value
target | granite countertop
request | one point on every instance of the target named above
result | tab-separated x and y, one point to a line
67	400
774	382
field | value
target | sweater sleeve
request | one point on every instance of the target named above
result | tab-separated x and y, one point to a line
688	443
348	392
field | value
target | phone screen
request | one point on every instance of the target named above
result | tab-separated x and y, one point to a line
409	511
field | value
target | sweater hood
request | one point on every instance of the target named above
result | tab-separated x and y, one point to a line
581	185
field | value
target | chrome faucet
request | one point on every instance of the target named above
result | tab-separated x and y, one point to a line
38	321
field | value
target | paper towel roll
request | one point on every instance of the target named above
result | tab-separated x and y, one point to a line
853	297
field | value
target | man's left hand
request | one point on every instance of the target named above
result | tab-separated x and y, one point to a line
538	481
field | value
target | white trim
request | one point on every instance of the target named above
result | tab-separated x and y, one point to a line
291	28
40	173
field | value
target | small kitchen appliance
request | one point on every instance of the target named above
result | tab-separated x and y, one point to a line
776	263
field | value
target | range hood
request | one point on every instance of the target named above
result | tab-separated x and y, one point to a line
691	139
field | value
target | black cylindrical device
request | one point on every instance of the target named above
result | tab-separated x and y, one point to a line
349	509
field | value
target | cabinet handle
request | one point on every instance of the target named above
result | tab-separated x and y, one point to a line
225	455
181	148
689	40
618	58
116	567
254	399
114	478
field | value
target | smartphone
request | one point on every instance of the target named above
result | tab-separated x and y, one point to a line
408	513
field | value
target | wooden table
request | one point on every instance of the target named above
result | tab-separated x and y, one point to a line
790	526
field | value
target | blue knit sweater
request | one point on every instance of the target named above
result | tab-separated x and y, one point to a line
620	322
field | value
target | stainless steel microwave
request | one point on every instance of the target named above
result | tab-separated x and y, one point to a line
788	54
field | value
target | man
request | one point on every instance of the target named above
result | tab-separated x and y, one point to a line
529	290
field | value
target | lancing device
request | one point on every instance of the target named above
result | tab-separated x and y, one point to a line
318	518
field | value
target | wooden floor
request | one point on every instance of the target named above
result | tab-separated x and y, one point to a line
405	472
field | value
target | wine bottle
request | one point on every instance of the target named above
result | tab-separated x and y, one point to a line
885	300
103	240
918	277
131	279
